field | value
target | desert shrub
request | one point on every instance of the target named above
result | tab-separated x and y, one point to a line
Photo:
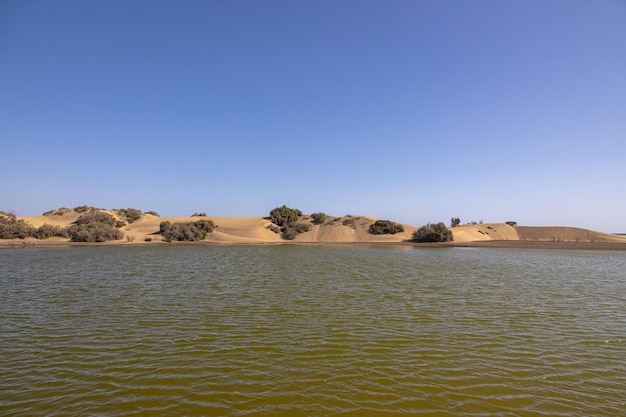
455	221
94	216
164	226
385	227
284	215
154	213
318	218
199	215
95	226
186	231
511	223
94	232
432	233
348	221
84	209
58	212
273	228
46	231
13	228
290	231
130	214
148	239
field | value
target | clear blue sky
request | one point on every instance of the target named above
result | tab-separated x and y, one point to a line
413	111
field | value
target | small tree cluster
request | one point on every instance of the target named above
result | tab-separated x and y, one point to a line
318	218
203	214
511	223
455	221
433	233
95	226
385	227
282	216
287	218
186	231
130	214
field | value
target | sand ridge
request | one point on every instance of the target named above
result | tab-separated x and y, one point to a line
347	229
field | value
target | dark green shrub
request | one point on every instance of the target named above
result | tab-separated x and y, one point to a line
274	228
511	223
94	216
95	226
432	233
148	239
284	215
46	231
83	209
13	228
455	221
94	232
348	221
130	214
164	226
385	227
318	218
199	215
187	231
290	231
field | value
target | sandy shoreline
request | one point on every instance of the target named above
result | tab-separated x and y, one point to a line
502	244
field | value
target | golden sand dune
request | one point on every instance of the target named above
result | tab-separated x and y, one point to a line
256	230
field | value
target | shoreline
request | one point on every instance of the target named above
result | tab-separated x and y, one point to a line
491	244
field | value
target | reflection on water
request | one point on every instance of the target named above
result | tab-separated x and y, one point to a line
311	330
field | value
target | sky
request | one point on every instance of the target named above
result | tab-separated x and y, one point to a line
413	111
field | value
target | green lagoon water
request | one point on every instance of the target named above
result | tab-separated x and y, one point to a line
311	331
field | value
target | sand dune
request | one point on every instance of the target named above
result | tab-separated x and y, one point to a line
255	230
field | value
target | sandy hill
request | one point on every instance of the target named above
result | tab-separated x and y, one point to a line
346	229
505	232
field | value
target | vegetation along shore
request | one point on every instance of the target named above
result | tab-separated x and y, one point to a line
90	225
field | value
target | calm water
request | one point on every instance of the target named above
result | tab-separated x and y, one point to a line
311	331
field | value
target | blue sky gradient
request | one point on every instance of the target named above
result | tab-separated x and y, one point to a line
413	111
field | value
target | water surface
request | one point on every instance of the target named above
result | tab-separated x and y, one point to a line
311	331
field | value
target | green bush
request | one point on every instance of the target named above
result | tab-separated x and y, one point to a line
511	223
130	214
348	221
318	218
273	228
284	215
95	226
13	228
290	231
95	216
455	221
186	231
46	231
385	227
432	233
164	226
94	232
199	215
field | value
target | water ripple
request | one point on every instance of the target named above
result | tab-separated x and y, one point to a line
311	331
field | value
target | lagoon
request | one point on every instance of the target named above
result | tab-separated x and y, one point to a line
305	330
